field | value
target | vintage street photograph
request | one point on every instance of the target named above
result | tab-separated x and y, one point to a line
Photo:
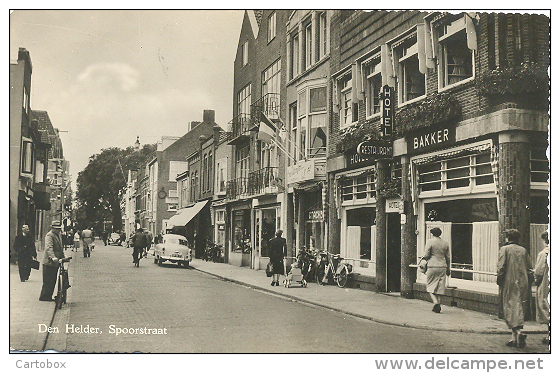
280	181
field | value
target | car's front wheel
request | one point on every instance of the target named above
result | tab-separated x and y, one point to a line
185	264
159	261
155	259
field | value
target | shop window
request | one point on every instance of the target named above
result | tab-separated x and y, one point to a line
456	59
471	228
360	237
242	231
372	76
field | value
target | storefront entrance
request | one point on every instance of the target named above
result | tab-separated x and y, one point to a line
393	253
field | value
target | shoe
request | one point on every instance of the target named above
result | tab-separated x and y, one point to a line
277	283
437	308
522	337
273	283
511	344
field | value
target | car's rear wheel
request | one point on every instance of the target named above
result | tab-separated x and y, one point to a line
160	261
186	264
155	260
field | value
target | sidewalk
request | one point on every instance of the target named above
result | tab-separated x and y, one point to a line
27	312
382	308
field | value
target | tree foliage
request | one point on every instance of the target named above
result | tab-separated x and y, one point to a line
101	185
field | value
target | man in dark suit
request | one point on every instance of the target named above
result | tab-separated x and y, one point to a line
53	256
24	246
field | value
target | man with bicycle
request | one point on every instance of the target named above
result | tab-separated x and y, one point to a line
139	242
54	254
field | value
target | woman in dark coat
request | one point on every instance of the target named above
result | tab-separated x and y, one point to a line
514	269
276	253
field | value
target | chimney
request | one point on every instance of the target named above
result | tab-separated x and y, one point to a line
193	124
208	116
217	130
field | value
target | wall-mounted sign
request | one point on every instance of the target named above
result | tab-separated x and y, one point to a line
301	171
354	160
429	139
394	205
315	215
387	110
375	149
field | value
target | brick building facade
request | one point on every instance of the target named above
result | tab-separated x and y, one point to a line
467	148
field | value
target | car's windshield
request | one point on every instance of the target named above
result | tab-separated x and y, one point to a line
175	241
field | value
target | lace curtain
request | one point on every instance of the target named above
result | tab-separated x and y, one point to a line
485	245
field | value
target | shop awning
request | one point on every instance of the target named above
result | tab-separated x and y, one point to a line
185	215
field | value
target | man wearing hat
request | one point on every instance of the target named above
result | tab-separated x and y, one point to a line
53	256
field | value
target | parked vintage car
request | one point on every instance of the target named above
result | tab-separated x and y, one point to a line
173	248
114	239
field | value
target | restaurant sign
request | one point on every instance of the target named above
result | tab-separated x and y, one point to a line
431	138
315	215
367	152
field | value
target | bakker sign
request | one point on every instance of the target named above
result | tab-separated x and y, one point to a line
429	139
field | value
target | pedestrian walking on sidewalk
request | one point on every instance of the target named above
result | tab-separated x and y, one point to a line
439	266
87	241
543	285
24	247
54	254
514	270
76	241
276	253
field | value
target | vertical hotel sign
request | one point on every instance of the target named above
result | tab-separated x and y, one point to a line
388	111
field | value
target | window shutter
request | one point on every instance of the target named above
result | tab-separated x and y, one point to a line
471	33
421	40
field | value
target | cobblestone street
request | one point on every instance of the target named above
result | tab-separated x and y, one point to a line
198	312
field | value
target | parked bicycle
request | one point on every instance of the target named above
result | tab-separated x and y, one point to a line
331	266
213	252
307	263
63	283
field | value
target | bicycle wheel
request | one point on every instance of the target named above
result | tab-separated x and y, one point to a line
342	277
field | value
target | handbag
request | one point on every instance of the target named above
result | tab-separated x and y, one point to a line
423	265
34	264
269	269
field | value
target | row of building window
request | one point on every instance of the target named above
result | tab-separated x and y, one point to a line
445	45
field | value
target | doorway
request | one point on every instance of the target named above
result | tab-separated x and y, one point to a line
393	253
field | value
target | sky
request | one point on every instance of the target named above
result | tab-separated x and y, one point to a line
108	76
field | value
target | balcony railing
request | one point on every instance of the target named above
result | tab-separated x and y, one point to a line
268	104
264	181
260	182
237	188
240	126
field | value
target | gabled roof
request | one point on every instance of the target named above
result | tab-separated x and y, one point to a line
255	17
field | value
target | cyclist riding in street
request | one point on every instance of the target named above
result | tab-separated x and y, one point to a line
139	242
